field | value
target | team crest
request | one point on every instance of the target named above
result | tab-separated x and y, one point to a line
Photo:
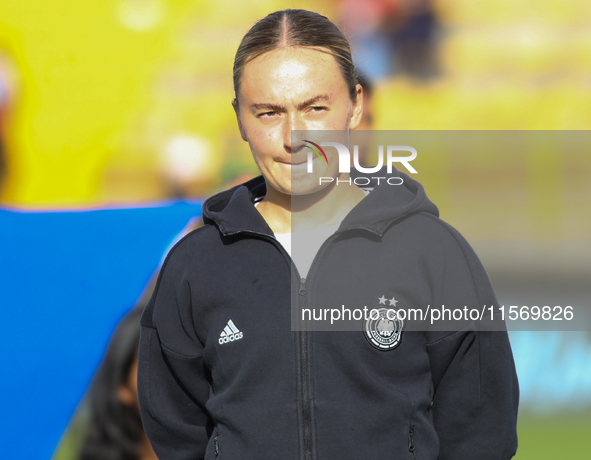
383	327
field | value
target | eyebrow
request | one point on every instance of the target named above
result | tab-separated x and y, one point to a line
302	105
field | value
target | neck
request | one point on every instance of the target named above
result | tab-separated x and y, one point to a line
295	213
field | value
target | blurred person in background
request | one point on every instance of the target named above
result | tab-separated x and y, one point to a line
367	118
364	137
393	37
3	100
7	90
415	40
109	421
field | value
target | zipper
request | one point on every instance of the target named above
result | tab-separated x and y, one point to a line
304	354
411	447
303	348
302	290
305	383
216	445
303	339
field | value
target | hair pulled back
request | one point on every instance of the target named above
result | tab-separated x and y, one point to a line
293	28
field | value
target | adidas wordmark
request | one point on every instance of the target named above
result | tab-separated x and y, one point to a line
230	333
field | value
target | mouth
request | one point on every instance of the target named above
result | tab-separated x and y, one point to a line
296	160
294	168
293	162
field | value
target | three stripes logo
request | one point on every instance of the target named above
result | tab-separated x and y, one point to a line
230	333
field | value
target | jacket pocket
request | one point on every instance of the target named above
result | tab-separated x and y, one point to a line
411	442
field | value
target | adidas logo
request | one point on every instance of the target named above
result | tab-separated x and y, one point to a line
230	333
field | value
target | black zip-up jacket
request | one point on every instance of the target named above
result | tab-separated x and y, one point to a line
223	376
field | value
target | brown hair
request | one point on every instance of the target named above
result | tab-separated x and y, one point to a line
296	28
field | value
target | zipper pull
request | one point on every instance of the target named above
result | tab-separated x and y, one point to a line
411	447
217	446
302	286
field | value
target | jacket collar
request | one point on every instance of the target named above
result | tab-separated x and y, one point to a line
233	210
387	204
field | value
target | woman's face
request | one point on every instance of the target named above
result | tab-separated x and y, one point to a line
293	89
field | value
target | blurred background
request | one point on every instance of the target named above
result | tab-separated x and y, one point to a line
115	123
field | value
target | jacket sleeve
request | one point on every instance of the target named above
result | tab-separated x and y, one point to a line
476	393
173	386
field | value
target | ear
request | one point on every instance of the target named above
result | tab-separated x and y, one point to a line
357	110
125	395
240	126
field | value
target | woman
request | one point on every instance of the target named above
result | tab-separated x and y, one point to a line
221	371
109	419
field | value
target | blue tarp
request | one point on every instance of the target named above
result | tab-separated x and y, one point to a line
66	279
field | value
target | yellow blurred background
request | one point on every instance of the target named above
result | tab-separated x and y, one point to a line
117	102
105	92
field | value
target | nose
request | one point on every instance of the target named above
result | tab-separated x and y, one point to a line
293	133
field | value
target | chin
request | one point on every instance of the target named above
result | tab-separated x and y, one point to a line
306	184
298	181
296	185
